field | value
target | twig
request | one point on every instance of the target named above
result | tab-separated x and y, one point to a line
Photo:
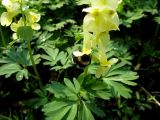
4	117
152	97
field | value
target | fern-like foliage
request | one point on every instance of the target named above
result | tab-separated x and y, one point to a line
136	10
57	26
72	102
16	61
56	59
118	79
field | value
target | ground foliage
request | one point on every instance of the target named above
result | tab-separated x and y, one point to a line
69	92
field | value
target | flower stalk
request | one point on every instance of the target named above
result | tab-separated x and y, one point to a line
34	66
28	18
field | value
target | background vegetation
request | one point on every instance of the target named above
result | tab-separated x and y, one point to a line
24	97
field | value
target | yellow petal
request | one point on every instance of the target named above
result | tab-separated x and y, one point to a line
6	2
14	26
5	19
87	43
113	60
105	39
12	6
35	26
102	57
101	21
14	36
112	4
32	17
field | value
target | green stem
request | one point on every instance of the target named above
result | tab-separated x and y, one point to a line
30	52
2	37
60	72
4	117
34	66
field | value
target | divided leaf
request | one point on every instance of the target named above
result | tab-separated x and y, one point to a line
117	77
56	59
11	68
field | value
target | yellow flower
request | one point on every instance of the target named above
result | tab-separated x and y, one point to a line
14	26
101	16
6	19
87	43
32	18
100	20
13	9
12	6
110	4
14	36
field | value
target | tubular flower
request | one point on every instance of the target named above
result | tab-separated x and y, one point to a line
13	9
32	18
110	4
87	43
100	19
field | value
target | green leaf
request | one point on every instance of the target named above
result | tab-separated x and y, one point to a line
92	68
25	73
98	86
61	91
22	73
120	89
20	56
19	75
56	59
122	76
96	110
76	85
103	94
53	106
59	25
83	2
59	114
116	66
69	84
117	75
57	110
36	102
87	115
157	19
25	33
72	113
81	78
84	113
8	69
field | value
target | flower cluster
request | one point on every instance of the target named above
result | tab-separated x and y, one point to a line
14	8
100	19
